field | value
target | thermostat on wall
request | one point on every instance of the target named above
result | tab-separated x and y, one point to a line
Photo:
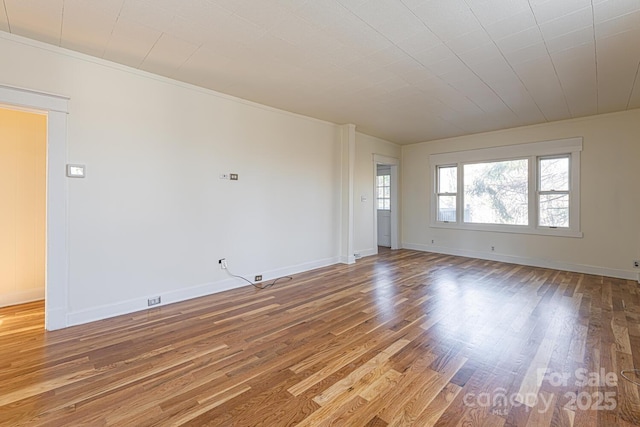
75	171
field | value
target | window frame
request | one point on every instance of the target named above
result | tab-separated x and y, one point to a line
534	152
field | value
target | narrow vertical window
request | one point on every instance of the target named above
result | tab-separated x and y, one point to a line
553	191
447	193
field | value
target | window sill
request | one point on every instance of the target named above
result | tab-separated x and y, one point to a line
513	229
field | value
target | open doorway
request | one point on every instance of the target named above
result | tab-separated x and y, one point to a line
55	108
386	227
23	143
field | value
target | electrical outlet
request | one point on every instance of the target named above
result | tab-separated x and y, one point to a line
432	241
636	263
223	263
153	301
233	176
258	277
493	248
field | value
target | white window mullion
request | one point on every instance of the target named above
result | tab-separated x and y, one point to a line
460	198
574	191
534	198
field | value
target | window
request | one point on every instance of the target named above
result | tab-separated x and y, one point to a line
384	192
496	192
447	182
553	191
527	188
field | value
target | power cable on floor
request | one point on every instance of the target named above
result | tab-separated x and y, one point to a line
635	371
255	285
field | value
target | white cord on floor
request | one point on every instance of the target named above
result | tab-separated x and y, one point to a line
635	371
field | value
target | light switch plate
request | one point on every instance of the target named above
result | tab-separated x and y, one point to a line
75	171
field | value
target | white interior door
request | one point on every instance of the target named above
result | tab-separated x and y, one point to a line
384	228
383	201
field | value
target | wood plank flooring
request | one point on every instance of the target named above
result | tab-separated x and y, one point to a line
402	338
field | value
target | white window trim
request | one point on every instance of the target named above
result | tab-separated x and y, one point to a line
532	151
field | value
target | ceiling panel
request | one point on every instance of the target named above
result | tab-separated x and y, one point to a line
36	19
576	69
527	53
448	19
570	40
208	69
548	10
578	20
4	24
494	11
618	57
619	24
87	29
501	78
469	41
229	5
419	42
408	71
263	14
634	98
520	40
130	42
540	78
391	18
167	55
512	25
106	6
610	9
477	92
149	13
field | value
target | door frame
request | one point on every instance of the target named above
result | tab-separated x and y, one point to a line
394	163
56	108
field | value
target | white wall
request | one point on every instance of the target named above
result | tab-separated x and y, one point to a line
152	217
23	137
364	181
610	175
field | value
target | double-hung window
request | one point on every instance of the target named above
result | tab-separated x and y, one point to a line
553	191
527	188
447	184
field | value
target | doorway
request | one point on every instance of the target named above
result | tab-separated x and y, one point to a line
386	218
383	205
55	108
23	143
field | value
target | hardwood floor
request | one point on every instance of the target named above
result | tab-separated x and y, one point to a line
402	338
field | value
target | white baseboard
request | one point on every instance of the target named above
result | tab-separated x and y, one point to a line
55	318
367	252
533	262
299	268
21	297
348	259
137	304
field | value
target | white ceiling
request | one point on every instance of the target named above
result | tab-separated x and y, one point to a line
403	70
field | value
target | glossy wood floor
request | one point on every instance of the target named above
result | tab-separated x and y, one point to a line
403	338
